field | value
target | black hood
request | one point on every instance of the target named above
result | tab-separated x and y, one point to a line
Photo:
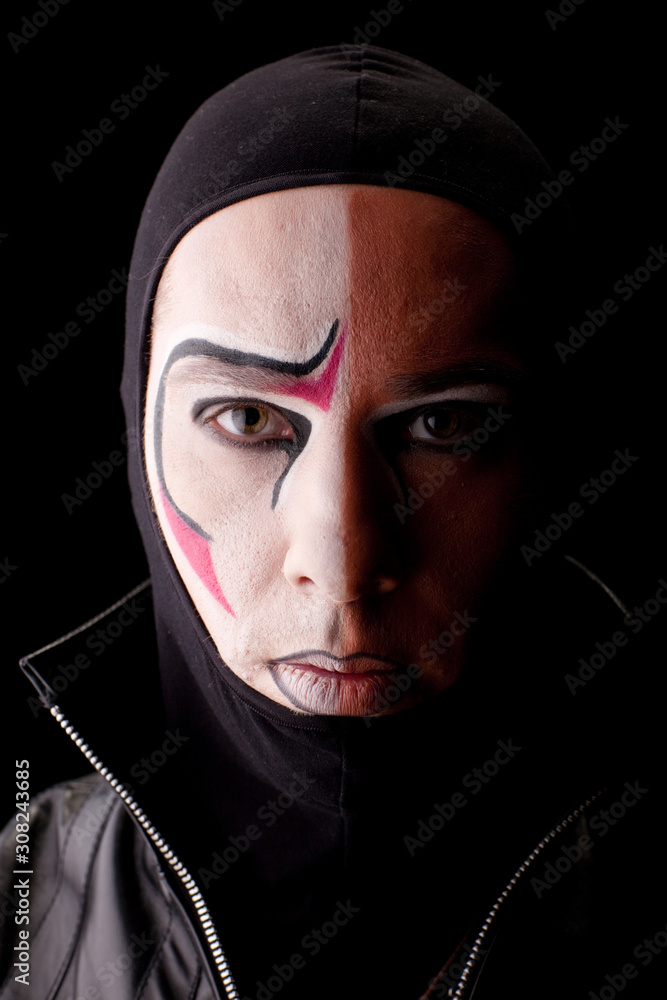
341	114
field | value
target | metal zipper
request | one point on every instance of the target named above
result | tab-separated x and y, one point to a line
474	955
191	886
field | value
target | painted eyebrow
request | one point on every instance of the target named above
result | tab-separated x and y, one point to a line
406	385
228	356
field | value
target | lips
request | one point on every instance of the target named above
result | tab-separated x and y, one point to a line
319	682
327	664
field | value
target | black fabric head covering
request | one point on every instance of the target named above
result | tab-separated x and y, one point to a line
340	114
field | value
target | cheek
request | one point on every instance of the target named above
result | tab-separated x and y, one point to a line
225	493
466	515
214	484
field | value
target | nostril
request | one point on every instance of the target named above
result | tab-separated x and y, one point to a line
304	583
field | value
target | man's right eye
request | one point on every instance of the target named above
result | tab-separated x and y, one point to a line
251	421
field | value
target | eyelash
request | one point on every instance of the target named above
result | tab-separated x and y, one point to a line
469	413
240	441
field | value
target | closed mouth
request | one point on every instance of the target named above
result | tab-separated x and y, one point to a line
327	664
319	682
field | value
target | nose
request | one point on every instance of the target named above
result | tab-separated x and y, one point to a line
342	541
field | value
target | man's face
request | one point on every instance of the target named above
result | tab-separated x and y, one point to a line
328	438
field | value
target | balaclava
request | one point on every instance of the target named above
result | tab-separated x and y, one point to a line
354	789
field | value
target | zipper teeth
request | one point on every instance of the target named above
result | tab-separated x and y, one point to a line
192	888
474	955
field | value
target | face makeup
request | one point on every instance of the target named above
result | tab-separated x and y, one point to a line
321	361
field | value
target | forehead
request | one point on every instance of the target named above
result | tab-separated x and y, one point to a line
413	271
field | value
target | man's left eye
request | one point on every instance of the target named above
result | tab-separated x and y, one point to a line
440	424
250	421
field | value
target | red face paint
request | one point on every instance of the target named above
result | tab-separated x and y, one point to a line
197	552
321	389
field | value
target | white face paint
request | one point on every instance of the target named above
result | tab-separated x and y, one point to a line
320	360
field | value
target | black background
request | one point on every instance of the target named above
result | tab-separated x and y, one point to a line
62	239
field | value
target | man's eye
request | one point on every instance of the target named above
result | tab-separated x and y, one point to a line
442	424
252	421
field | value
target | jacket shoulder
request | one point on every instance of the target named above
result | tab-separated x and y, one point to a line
98	911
